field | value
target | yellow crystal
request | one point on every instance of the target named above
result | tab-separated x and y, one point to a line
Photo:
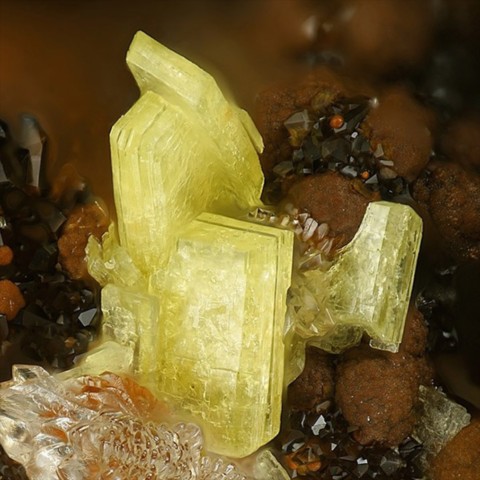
267	467
199	297
367	288
182	149
220	347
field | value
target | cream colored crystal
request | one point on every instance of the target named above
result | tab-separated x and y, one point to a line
368	287
267	467
220	347
182	149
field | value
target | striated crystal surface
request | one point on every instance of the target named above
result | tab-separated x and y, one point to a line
182	149
267	467
368	286
220	343
440	419
102	427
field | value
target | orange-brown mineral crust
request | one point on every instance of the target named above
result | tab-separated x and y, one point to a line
460	458
275	105
84	220
377	391
11	299
403	128
461	141
451	195
379	36
315	385
6	255
331	198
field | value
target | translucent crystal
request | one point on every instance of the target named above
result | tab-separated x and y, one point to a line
102	427
109	262
267	467
220	342
368	286
440	419
182	149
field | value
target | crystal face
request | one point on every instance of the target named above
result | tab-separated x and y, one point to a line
440	419
368	286
103	427
182	149
220	343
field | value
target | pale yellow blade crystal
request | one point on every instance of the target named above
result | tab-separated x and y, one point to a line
368	287
220	343
180	150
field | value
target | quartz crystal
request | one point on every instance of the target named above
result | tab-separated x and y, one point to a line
368	286
182	149
102	427
440	419
220	342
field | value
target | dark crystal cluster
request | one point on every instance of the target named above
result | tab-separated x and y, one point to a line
319	446
333	140
59	316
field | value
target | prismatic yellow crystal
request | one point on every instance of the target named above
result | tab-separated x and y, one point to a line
182	149
199	297
368	287
223	311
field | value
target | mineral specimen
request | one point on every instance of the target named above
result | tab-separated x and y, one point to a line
182	149
220	342
201	301
368	286
440	420
100	427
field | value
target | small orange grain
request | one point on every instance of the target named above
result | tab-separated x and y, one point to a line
365	175
6	255
11	299
336	121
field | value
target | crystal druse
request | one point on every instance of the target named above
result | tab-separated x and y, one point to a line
103	426
200	298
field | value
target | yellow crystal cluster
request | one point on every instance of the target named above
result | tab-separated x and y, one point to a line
199	298
194	299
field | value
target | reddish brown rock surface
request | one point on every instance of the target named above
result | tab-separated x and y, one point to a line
315	385
460	458
377	391
378	36
451	195
461	141
333	199
403	128
85	220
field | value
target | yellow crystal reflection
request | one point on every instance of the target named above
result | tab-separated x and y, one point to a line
220	343
182	149
368	287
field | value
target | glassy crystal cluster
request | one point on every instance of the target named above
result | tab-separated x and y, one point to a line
368	286
440	419
102	427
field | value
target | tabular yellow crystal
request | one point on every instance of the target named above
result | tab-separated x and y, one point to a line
267	467
182	149
368	286
223	311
